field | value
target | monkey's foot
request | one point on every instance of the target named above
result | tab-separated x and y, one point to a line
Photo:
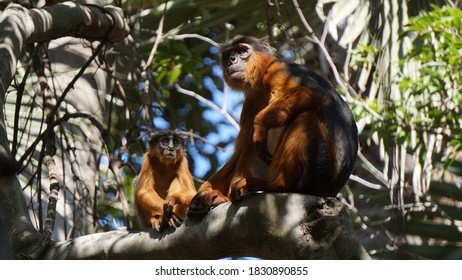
157	223
204	201
238	189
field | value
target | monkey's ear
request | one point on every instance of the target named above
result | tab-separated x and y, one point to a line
265	42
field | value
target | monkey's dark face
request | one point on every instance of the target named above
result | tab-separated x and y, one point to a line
169	145
234	60
237	60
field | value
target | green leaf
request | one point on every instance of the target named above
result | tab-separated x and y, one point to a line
174	74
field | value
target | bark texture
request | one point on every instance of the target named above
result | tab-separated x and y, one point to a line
268	226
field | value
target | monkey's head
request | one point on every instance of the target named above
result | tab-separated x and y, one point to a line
236	56
169	146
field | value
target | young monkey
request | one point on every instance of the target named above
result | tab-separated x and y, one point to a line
296	132
164	187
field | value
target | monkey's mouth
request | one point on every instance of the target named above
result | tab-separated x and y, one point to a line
234	74
169	154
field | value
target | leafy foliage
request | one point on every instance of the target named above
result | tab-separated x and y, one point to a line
432	100
420	130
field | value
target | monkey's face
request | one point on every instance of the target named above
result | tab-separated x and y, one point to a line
234	60
168	147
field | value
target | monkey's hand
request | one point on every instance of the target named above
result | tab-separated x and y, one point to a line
170	217
238	189
260	139
205	201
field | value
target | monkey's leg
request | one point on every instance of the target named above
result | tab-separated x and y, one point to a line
305	159
294	160
289	162
292	165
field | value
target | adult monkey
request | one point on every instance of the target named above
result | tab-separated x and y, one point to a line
297	134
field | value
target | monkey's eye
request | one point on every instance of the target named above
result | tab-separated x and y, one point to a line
164	141
242	50
177	143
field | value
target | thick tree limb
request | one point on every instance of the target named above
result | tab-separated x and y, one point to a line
269	226
20	25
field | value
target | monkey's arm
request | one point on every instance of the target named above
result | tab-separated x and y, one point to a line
180	194
183	182
285	104
149	206
148	203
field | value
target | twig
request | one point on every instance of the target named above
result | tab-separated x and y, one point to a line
114	167
316	40
363	182
374	171
158	38
208	103
193	136
195	36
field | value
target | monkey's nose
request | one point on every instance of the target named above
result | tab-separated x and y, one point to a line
232	60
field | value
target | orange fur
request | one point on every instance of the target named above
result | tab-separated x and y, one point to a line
165	188
297	134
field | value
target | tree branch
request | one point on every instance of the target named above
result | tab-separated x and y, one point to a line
269	226
208	103
20	25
